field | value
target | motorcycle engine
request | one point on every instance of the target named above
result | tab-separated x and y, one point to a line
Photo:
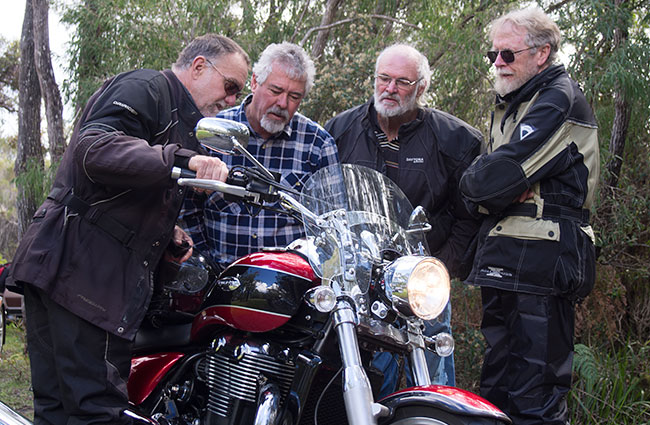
235	370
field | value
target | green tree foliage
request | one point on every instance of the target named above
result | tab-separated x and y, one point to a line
611	39
9	62
118	35
113	36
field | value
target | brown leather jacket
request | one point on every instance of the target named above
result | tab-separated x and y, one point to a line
94	243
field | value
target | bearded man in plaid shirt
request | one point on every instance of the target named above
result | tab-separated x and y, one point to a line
283	140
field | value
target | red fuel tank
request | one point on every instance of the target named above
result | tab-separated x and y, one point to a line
258	292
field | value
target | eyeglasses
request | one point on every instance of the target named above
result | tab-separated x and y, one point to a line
507	55
230	86
401	83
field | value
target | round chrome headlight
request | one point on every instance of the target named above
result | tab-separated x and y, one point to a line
418	285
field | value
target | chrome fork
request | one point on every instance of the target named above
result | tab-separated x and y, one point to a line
357	393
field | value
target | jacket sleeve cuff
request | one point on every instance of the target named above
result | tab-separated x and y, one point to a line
182	158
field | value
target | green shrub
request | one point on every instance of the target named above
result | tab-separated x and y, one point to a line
611	386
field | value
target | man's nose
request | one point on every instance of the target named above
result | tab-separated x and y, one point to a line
231	100
392	86
282	100
499	61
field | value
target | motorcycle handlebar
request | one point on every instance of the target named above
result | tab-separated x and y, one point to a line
187	178
178	173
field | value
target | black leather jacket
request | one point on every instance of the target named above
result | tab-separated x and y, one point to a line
98	263
435	149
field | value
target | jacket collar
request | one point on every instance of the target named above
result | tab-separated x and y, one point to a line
184	101
528	90
188	113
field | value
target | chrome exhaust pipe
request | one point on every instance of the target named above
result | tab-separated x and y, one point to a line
268	405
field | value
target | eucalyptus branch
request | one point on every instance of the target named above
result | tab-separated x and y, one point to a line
172	18
348	20
556	6
298	24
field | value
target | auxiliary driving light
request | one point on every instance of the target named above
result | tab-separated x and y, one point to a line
322	298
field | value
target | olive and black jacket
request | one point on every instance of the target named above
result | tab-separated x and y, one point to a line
93	244
543	137
434	150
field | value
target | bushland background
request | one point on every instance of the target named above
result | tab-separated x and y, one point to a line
606	49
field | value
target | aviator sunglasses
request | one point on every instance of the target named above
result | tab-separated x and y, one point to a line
230	86
507	55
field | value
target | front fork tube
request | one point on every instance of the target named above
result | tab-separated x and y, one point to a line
419	365
357	393
420	369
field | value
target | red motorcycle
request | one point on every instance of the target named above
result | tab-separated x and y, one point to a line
287	336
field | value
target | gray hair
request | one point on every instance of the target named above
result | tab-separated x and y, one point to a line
294	61
540	29
212	46
422	63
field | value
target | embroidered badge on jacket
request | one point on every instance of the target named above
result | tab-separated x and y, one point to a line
525	130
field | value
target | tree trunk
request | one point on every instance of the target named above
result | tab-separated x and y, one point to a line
617	139
29	150
621	115
321	38
49	88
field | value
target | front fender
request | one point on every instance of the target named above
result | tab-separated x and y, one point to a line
450	399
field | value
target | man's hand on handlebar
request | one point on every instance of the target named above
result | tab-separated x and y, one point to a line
208	167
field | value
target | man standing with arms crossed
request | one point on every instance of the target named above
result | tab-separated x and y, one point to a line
424	151
534	186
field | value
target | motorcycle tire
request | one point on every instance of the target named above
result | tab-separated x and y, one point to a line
427	415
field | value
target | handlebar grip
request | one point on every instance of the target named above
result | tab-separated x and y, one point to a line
178	173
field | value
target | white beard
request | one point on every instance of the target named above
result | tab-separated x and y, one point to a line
271	125
404	105
504	86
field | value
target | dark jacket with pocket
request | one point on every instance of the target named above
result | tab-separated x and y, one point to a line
95	241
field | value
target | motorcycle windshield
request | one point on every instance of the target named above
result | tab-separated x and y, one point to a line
363	217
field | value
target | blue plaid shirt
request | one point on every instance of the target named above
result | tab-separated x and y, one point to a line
225	230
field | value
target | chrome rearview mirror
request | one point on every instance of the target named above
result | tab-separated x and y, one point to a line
227	137
418	221
222	135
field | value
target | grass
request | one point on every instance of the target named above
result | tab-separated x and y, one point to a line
15	389
611	385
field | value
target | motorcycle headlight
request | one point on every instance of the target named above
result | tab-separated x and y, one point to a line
418	285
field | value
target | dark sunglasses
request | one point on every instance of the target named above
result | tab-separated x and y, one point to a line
507	55
230	86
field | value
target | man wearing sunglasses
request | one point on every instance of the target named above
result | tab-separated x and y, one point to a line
283	140
86	261
424	151
534	186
